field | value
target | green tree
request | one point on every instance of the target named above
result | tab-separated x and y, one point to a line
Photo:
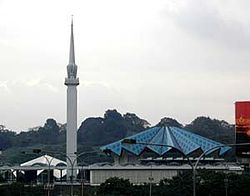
180	185
6	137
115	186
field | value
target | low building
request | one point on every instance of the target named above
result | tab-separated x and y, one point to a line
158	153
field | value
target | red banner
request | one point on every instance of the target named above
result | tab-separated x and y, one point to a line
242	113
242	127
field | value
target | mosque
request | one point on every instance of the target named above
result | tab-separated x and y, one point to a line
155	153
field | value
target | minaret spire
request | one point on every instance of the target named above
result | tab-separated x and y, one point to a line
72	48
72	67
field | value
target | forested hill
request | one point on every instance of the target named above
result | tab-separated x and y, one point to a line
98	131
214	129
114	126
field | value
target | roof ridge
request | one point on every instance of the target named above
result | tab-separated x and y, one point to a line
155	134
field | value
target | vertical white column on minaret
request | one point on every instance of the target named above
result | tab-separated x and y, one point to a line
71	130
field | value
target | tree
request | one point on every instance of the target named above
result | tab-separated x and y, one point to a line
169	122
180	185
113	127
6	137
214	129
115	186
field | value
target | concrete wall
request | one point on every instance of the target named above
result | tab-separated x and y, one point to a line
135	176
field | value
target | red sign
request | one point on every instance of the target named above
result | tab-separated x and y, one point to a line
242	127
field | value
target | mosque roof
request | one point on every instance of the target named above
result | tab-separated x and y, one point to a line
162	139
47	160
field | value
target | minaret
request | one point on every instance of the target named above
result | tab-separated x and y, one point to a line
71	82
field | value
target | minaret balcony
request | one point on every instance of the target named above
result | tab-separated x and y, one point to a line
71	81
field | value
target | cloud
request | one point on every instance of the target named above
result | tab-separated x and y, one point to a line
4	86
23	85
33	82
205	20
51	87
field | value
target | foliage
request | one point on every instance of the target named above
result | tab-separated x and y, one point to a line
208	183
48	134
213	183
6	137
95	132
115	186
169	122
114	126
214	129
180	185
17	189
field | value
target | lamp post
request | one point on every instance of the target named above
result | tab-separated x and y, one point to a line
193	166
206	152
150	182
82	180
39	151
72	168
71	164
48	186
226	185
134	141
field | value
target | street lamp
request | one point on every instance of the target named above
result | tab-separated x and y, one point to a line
72	168
47	186
226	185
72	163
134	141
151	179
1	152
37	151
82	180
193	166
206	152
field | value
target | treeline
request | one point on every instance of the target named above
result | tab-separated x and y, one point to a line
113	126
98	131
209	183
50	133
92	132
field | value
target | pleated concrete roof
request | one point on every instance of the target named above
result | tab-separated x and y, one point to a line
173	137
45	160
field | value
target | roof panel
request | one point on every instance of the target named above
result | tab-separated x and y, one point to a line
169	137
186	144
161	139
204	143
114	147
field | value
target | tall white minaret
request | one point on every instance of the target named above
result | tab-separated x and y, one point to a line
71	82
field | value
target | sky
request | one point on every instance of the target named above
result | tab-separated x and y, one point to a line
155	58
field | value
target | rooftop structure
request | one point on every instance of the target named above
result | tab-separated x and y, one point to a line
162	139
46	160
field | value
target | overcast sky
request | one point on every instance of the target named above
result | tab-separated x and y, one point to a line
176	58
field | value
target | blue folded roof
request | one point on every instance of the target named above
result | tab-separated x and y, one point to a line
162	139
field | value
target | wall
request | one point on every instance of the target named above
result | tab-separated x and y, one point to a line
135	176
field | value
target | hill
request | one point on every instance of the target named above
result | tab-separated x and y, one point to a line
97	131
114	126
